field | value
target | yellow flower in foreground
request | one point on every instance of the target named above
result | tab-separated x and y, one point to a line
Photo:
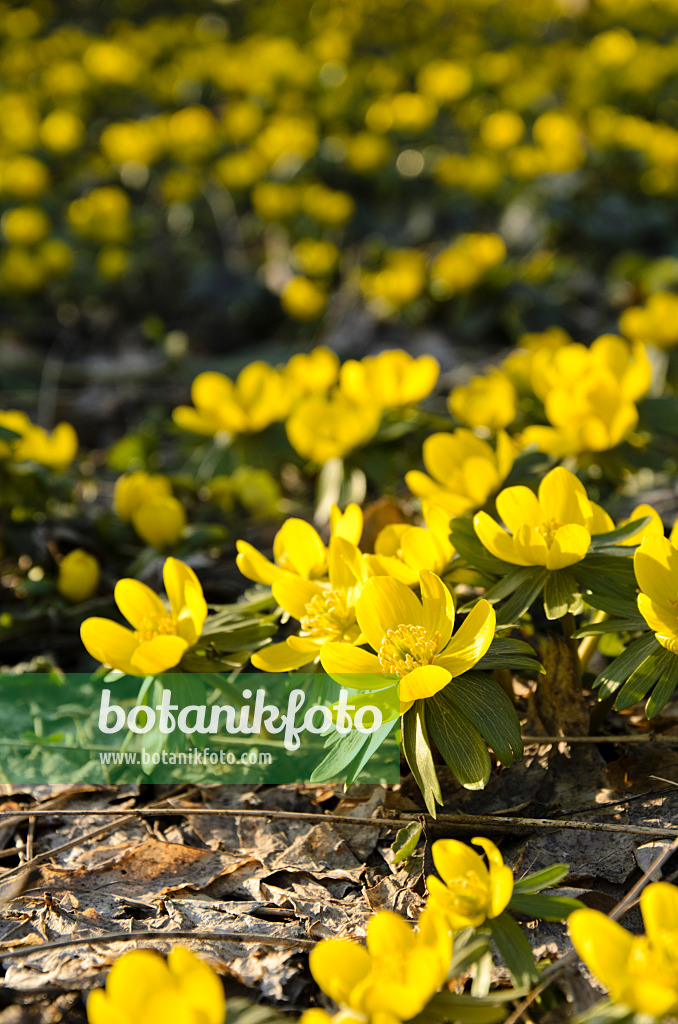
470	892
464	470
412	639
640	971
142	987
486	401
159	637
402	550
298	549
552	529
392	979
79	575
257	398
322	428
655	528
656	566
326	612
56	450
391	379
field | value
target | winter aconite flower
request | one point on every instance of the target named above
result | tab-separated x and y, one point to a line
656	566
56	450
639	971
655	528
391	379
470	891
464	470
298	549
552	529
160	636
143	987
249	404
402	550
488	401
79	575
412	639
392	979
324	427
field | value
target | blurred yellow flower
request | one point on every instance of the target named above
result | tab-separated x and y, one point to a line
464	470
639	971
132	490
400	281
160	521
469	893
464	263
56	450
488	401
392	979
249	404
444	80
160	636
302	298
320	428
655	323
315	257
502	129
392	379
314	371
25	225
402	550
327	206
552	529
412	639
79	575
102	215
143	987
62	131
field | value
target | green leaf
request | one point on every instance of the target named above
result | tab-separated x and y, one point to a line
466	544
524	597
615	675
447	1007
459	742
406	841
544	879
561	594
621	533
485	704
340	755
507	586
469	946
504	652
618	606
664	688
609	626
660	413
417	750
374	741
607	575
547	908
9	435
642	679
514	948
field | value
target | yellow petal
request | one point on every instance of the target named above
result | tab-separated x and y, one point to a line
650	997
471	641
352	666
159	654
601	522
517	506
101	1011
501	877
421	550
569	545
506	450
347	524
385	604
188	418
255	566
389	933
346	566
531	545
454	859
109	643
138	603
659	906
656	568
443	900
422	682
385	565
337	965
132	979
563	497
438	607
298	548
199	984
658	617
293	594
183	589
602	944
496	540
281	658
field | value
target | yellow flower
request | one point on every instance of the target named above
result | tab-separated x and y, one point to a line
464	470
400	281
552	529
413	639
249	404
79	575
143	987
502	129
464	263
160	522
315	371
56	450
321	428
298	549
656	567
518	364
566	367
488	401
132	490
655	528
315	257
656	323
391	379
25	225
639	971
402	550
326	611
303	299
160	636
392	979
470	892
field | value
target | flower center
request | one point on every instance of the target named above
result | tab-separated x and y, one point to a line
406	648
548	530
329	617
163	625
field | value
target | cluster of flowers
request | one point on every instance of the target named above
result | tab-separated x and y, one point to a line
401	969
155	130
